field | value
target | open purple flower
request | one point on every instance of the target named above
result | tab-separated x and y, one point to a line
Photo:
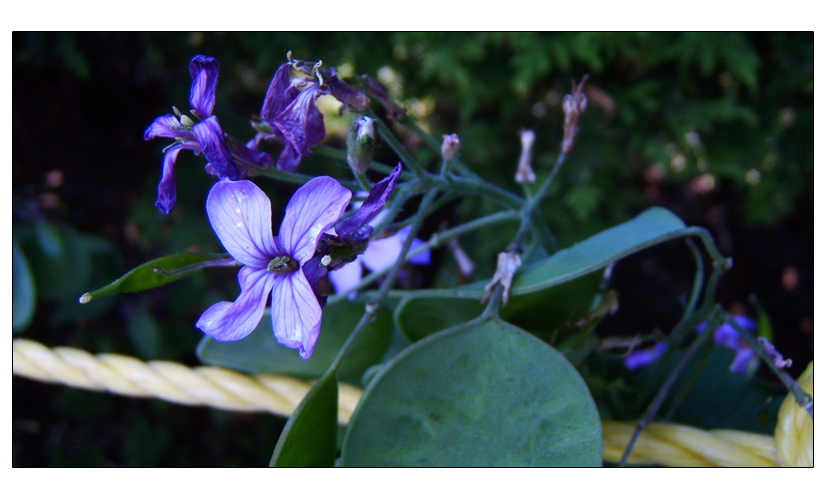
205	136
241	216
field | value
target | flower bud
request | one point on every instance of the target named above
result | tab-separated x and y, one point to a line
506	266
450	146
360	143
524	172
573	105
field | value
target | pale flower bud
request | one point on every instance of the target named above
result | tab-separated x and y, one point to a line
506	267
524	172
450	146
360	143
573	105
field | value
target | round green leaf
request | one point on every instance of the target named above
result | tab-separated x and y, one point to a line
487	394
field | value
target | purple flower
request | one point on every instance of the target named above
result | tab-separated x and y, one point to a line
644	357
289	108
205	137
241	216
727	336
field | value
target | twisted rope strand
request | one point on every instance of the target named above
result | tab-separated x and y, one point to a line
660	443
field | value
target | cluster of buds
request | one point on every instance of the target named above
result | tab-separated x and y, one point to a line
573	105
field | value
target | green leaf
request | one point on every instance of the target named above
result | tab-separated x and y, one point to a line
486	395
309	438
261	353
650	228
145	277
24	293
543	313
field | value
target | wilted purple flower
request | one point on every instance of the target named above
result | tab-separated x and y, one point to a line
241	216
205	137
380	254
644	357
289	108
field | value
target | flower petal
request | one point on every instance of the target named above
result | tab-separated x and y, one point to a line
296	315
346	277
645	357
167	126
241	216
383	253
227	321
211	138
301	121
204	72
371	207
312	209
167	189
289	159
279	94
742	358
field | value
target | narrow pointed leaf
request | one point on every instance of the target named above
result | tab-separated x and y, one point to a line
172	267
24	293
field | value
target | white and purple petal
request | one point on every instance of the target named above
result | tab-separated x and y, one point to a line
346	277
311	211
227	321
204	73
241	216
296	314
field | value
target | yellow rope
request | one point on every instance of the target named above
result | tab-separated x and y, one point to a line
660	443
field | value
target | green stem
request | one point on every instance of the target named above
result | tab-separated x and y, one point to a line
372	306
434	144
331	152
654	407
295	178
397	147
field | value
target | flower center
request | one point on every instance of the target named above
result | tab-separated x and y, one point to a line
282	264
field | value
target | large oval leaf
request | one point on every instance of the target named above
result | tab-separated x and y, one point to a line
309	438
261	353
488	394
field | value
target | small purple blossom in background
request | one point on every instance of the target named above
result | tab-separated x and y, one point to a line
241	216
380	254
205	137
644	357
727	336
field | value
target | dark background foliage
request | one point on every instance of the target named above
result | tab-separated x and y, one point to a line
717	127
